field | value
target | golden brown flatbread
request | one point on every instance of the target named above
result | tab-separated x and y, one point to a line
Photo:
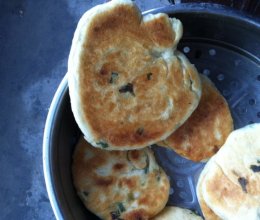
206	130
128	85
119	184
231	187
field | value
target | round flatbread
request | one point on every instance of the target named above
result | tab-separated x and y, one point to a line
176	213
207	212
129	87
119	184
231	188
207	128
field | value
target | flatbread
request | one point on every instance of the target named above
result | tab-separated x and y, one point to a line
119	184
129	86
206	130
176	213
207	212
231	187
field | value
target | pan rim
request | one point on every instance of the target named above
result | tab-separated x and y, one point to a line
208	9
47	142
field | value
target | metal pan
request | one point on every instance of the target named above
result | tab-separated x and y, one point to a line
223	44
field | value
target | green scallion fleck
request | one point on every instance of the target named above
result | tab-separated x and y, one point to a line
113	78
129	87
103	144
130	196
149	76
140	131
120	207
146	169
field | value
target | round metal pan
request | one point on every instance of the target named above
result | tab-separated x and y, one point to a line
223	44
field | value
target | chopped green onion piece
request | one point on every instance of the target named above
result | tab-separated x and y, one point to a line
103	144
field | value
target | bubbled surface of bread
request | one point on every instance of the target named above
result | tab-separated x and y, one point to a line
119	184
207	129
129	87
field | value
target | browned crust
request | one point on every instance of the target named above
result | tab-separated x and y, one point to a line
196	138
161	31
119	41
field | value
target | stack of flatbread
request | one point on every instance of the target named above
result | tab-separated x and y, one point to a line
130	88
229	185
